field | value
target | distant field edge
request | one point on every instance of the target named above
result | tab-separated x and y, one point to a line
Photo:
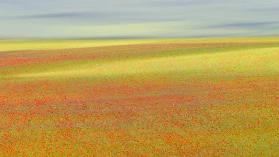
7	45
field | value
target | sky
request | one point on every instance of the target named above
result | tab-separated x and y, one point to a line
137	18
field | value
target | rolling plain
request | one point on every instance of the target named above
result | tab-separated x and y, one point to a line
200	97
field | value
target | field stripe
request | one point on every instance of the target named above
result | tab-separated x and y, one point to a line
244	62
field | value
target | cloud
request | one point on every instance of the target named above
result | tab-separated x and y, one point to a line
100	17
61	15
182	3
265	9
245	25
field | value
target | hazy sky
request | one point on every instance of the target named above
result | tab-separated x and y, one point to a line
138	18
